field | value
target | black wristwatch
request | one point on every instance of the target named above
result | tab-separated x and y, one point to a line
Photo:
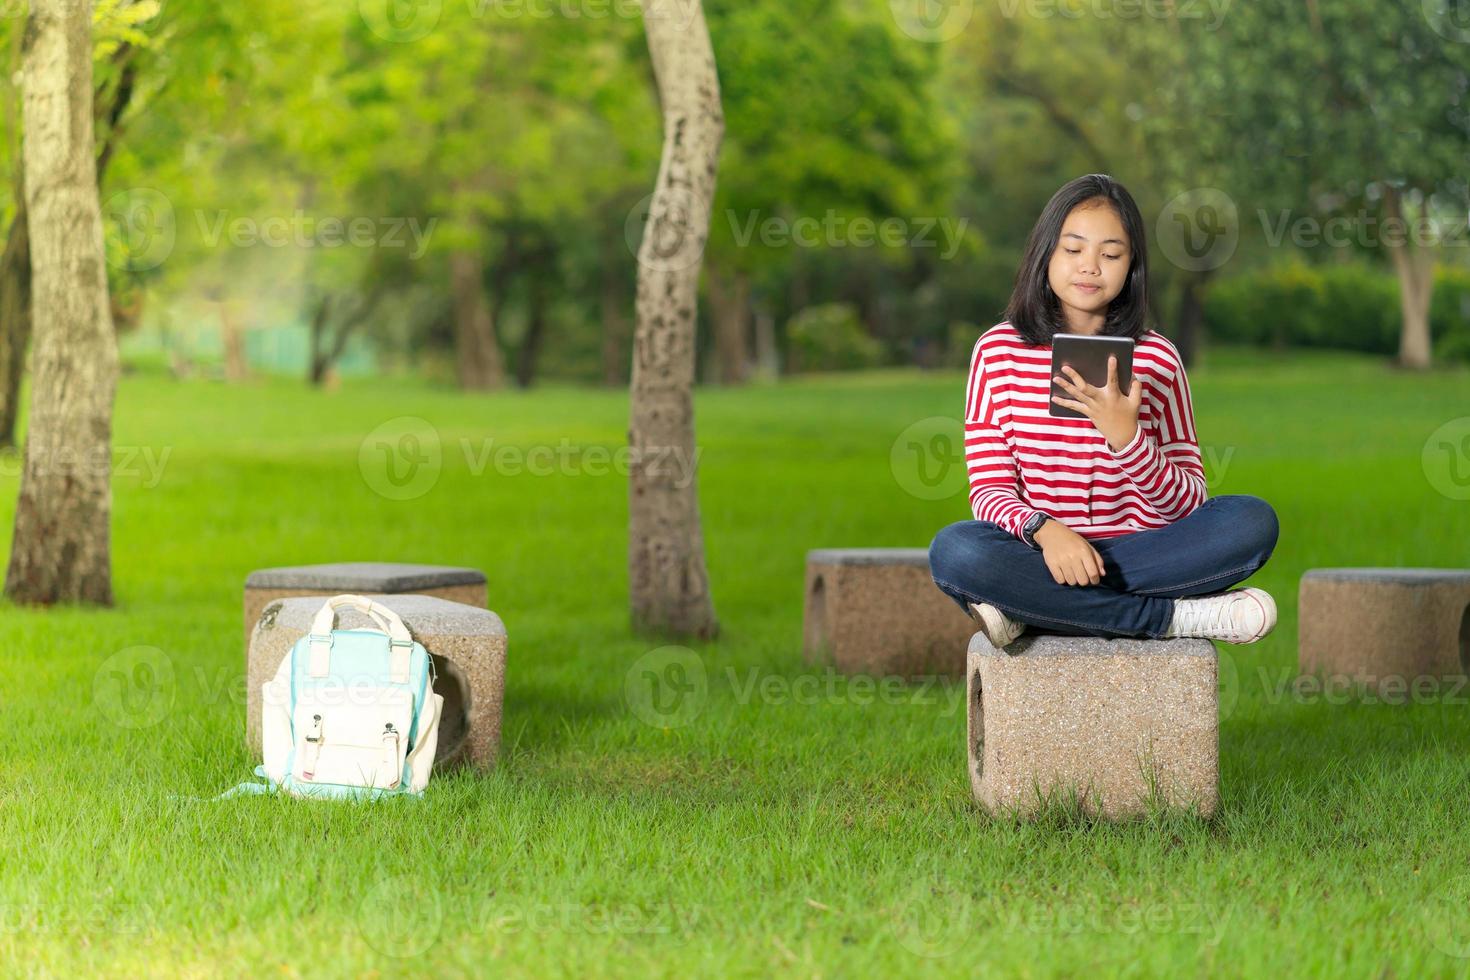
1032	525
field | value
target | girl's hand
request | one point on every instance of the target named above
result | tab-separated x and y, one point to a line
1113	413
1069	557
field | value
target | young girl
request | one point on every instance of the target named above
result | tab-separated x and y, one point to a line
1099	525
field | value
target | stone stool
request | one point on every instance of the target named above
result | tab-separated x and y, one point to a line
370	578
877	611
467	645
1107	719
1385	625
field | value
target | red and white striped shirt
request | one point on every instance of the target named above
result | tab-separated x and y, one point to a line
1021	459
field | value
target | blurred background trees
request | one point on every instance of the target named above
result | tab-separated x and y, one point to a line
458	189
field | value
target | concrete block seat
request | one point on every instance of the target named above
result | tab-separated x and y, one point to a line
467	644
1384	626
877	611
1113	721
370	578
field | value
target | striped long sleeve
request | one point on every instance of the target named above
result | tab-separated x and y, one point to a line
1169	475
994	487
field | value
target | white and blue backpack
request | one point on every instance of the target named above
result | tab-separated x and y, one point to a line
351	712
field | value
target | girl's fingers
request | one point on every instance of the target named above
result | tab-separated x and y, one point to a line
1069	402
1085	573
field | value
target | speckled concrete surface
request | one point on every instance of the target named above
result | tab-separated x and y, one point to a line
369	578
468	645
1384	626
877	611
1102	718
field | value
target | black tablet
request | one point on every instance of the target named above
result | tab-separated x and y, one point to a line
1088	356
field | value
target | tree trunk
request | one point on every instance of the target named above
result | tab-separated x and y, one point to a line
15	313
1415	268
316	370
540	271
232	336
331	331
730	297
667	581
767	354
1189	323
15	262
477	350
61	549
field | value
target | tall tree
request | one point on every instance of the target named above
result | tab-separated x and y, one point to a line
1329	121
667	580
118	39
61	547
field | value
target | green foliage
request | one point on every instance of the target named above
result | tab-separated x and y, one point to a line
830	337
1348	306
530	136
1449	314
119	22
960	344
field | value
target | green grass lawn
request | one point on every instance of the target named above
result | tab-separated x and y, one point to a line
773	832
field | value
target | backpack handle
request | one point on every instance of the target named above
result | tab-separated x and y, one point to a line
400	642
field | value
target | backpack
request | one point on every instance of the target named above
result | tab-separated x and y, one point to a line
351	713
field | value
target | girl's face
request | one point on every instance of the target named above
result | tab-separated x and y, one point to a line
1090	264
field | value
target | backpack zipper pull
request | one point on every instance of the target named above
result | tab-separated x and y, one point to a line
313	748
390	753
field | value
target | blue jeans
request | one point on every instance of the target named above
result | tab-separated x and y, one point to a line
1221	542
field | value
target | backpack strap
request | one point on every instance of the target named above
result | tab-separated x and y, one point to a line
400	642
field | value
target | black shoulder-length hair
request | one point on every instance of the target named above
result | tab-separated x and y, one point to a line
1034	309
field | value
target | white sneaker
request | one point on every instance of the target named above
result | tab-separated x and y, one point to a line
1237	616
1000	629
